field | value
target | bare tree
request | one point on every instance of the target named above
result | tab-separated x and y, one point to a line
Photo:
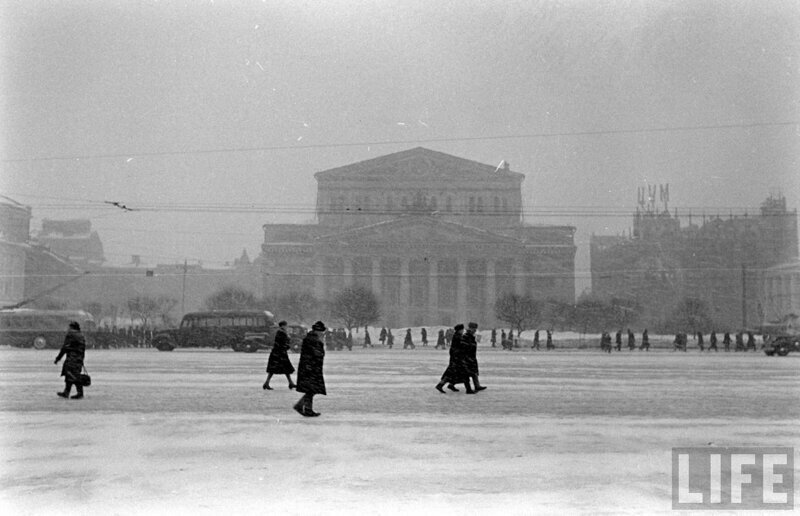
521	312
691	314
143	308
232	298
355	307
164	310
296	305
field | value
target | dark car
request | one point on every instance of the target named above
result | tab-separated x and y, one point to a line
254	341
782	345
217	329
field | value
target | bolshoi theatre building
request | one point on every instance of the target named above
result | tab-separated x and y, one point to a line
436	237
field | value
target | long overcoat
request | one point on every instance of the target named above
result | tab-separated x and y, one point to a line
456	371
470	353
74	348
309	369
279	362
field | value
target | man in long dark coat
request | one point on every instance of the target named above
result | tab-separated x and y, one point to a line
408	342
309	370
74	348
470	344
456	371
279	362
440	340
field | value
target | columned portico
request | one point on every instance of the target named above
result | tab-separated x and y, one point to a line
437	238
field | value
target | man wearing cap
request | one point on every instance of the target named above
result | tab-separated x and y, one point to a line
471	355
309	370
279	362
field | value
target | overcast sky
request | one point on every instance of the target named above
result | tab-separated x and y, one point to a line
198	111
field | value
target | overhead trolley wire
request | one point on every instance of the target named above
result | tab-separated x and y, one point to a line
604	132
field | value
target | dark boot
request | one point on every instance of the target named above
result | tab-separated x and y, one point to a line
452	387
476	382
439	387
469	388
308	409
67	388
79	394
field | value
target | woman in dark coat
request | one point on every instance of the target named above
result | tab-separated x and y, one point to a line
309	371
74	348
456	371
278	362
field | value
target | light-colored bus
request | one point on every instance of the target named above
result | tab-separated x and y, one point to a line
40	329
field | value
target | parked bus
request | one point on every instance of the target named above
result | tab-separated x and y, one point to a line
240	330
41	329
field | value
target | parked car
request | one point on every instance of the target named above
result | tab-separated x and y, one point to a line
782	345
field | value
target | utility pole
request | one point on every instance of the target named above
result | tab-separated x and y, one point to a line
183	291
744	297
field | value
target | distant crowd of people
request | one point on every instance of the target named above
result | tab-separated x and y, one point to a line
742	341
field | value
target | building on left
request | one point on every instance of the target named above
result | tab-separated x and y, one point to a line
63	265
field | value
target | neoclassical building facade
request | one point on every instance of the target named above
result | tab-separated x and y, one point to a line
436	237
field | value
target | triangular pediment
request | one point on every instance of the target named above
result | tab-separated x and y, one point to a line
417	229
415	164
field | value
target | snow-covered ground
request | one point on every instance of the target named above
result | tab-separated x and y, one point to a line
192	432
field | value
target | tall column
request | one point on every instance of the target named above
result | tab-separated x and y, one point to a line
433	288
461	294
319	278
376	276
491	288
347	271
405	290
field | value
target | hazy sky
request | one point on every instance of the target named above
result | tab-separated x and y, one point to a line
212	117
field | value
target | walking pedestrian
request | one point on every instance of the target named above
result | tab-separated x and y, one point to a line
74	348
470	344
440	340
279	362
631	340
536	341
712	341
310	380
617	341
550	344
424	336
456	371
645	341
408	342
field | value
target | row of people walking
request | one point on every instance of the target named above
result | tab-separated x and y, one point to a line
605	341
680	343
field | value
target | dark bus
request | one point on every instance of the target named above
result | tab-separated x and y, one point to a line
42	329
240	330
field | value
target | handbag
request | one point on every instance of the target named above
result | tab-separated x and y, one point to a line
84	379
